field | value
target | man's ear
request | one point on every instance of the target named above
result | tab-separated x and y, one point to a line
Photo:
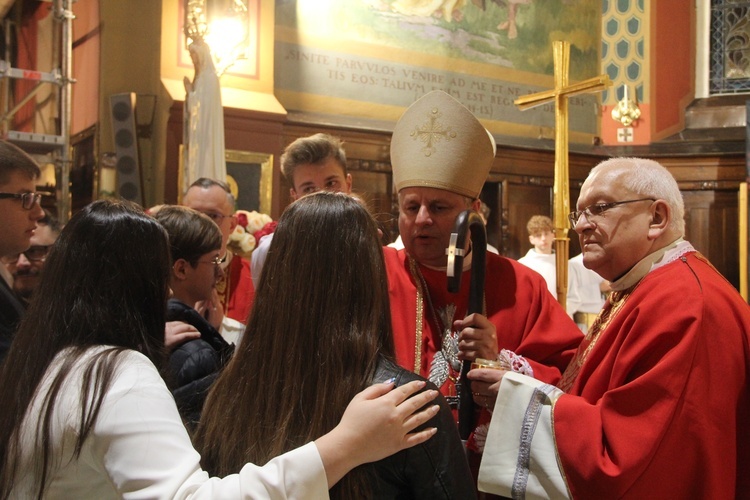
293	194
661	216
179	269
476	205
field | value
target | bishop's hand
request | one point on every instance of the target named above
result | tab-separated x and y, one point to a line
477	337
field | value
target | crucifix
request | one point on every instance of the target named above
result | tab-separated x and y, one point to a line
561	190
625	134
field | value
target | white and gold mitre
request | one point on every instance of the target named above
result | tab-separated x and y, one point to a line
438	143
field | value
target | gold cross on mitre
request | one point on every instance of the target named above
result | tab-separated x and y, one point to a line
433	132
561	190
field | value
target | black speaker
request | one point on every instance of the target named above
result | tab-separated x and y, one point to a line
129	180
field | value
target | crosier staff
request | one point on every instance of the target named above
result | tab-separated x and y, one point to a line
467	220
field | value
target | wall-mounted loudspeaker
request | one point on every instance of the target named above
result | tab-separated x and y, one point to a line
129	181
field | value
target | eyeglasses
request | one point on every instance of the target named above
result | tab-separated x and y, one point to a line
28	200
36	253
598	209
217	261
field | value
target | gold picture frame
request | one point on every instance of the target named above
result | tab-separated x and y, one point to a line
743	236
250	179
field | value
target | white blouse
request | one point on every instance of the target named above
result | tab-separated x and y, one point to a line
139	448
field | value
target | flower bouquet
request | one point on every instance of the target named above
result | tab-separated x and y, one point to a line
243	240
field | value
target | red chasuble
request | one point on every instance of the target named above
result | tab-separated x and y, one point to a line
529	320
662	402
239	299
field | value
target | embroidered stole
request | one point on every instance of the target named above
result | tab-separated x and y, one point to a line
610	310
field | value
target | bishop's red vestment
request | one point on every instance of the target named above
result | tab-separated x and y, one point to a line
528	319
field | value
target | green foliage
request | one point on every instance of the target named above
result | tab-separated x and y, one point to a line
475	36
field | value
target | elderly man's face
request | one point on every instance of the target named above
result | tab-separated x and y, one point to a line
214	203
426	217
616	239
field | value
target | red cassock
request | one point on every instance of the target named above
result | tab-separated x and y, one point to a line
528	319
661	405
239	299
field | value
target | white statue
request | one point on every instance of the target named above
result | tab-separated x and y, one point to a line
203	138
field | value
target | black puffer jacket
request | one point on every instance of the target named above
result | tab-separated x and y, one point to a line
436	469
11	311
194	365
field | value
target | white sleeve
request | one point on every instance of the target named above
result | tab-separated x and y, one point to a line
574	300
258	258
232	330
144	448
520	457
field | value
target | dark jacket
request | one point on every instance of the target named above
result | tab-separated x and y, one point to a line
11	311
194	365
436	469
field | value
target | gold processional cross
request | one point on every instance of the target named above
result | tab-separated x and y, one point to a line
561	190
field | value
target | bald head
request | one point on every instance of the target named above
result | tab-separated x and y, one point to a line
647	179
213	199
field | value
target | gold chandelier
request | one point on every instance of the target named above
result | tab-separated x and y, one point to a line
222	25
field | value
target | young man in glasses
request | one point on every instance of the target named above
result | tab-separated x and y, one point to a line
26	266
234	291
195	243
655	403
19	212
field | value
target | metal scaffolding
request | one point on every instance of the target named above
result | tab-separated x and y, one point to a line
61	77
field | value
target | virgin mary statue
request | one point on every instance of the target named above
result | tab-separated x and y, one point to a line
203	138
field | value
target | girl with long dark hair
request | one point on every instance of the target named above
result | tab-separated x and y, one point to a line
319	332
86	414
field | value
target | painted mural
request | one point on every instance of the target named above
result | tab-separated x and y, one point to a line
372	58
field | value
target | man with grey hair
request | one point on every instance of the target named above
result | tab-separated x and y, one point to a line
234	291
655	403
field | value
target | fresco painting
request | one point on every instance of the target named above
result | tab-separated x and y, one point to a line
389	52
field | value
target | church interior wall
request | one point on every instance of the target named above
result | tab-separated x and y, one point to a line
86	67
520	181
673	65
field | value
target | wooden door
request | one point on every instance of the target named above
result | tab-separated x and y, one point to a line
711	225
375	189
524	201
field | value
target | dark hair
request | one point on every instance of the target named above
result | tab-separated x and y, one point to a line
320	319
105	283
51	221
14	159
191	234
312	150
